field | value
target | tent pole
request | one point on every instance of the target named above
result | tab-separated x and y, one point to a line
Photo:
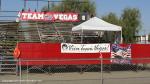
121	38
81	36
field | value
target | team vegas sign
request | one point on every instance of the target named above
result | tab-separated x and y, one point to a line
48	16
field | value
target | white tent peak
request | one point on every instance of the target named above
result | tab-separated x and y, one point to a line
96	24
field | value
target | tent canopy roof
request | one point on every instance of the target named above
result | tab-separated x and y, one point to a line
96	24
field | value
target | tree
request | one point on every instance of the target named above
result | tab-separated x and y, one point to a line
112	18
79	6
131	24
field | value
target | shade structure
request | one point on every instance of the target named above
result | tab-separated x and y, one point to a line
96	24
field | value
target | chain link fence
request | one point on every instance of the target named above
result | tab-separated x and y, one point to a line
22	72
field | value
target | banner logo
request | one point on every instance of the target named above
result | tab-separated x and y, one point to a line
84	48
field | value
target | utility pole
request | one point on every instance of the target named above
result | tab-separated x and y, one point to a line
37	5
48	5
0	5
25	2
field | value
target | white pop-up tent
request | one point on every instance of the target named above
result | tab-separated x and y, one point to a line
95	24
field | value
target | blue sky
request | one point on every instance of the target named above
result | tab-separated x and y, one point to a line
117	6
103	7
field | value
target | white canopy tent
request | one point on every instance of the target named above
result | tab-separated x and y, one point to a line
95	24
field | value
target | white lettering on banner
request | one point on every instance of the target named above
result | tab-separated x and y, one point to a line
29	15
70	17
48	16
40	16
60	16
75	17
34	16
65	17
23	15
56	16
84	48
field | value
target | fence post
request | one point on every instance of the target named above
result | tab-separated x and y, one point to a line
20	74
27	71
101	59
0	64
17	67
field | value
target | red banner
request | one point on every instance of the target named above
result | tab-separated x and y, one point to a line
120	54
52	53
48	16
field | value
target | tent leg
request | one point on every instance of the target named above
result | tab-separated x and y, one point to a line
121	38
82	36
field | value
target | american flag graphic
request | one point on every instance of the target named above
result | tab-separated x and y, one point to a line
121	54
